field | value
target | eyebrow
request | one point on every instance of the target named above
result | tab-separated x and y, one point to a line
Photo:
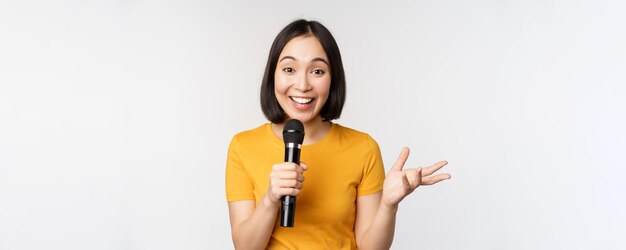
317	59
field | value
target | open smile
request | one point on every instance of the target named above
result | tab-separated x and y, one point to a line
301	100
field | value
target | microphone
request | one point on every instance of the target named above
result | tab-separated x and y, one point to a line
293	135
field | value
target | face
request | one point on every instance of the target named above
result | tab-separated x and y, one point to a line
302	79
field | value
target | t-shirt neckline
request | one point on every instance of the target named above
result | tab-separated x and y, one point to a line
279	142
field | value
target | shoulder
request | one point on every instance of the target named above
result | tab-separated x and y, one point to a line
250	136
354	136
251	133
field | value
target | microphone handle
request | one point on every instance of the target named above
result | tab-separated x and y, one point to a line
288	202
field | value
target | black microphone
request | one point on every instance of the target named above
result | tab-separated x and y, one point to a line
293	135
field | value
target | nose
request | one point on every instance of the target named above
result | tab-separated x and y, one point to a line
302	83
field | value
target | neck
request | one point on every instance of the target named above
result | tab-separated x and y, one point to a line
314	130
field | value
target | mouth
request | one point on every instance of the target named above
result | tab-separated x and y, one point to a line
301	100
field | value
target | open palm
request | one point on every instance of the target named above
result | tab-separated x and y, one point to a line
399	183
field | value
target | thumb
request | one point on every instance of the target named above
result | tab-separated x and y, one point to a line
404	155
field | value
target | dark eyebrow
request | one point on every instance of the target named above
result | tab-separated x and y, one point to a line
320	60
317	59
287	57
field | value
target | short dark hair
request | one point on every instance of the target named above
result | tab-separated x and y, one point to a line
337	93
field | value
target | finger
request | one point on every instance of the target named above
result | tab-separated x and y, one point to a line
430	180
290	166
419	179
287	183
285	166
404	155
287	191
304	166
301	167
283	175
434	168
405	182
288	175
300	178
414	177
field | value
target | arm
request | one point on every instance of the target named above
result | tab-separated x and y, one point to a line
252	226
376	214
375	224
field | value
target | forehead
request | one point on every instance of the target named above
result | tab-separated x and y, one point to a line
304	47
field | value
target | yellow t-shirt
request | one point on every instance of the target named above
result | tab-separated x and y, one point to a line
343	165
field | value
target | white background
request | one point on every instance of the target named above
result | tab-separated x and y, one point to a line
115	117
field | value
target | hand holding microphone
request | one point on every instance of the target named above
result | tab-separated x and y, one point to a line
286	178
293	135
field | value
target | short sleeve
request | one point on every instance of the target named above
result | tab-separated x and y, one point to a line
238	183
374	170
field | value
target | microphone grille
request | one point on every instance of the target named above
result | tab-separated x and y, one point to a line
293	132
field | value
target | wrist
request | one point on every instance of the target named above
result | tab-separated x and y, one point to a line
268	202
392	209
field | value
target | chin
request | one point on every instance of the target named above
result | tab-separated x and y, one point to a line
302	118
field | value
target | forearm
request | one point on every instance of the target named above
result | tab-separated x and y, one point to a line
255	232
380	234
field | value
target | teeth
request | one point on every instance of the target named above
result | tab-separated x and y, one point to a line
301	100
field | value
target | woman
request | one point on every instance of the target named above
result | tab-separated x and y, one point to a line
348	202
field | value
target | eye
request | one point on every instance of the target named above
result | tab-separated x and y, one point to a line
288	69
318	72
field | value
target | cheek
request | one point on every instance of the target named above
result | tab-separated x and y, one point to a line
280	85
323	87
